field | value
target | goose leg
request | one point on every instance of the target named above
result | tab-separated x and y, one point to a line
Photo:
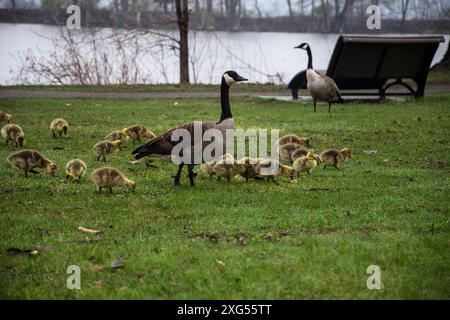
315	102
54	135
329	107
176	181
191	174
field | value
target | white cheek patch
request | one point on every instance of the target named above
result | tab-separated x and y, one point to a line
229	80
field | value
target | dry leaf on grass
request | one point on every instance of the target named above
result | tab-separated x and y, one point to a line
90	231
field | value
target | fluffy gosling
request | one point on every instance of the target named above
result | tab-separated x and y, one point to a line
59	126
305	163
225	168
27	160
103	148
116	135
75	169
137	132
13	132
275	169
207	167
300	152
334	157
293	138
247	167
287	150
108	177
5	116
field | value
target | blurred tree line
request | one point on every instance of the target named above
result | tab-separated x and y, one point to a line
237	15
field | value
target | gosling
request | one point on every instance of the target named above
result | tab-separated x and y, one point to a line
116	135
207	167
108	177
103	148
247	167
334	157
225	168
137	132
287	150
293	138
274	169
13	132
305	163
300	152
28	160
59	126
75	169
5	116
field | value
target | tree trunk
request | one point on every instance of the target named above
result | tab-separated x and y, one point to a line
182	10
291	14
209	15
405	4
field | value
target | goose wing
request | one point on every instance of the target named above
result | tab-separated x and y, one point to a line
163	144
332	88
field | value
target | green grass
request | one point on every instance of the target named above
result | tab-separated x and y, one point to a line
313	239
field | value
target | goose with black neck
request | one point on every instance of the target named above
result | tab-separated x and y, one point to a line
162	146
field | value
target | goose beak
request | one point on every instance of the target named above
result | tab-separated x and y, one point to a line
239	79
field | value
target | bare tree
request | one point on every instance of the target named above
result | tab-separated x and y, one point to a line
291	13
182	10
340	17
405	4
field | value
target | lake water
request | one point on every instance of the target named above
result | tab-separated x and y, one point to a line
255	55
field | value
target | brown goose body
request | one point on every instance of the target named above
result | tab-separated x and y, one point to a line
5	116
59	126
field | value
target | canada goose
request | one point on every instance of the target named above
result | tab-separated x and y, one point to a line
321	87
5	116
208	167
31	159
297	82
163	145
293	138
103	148
137	132
334	157
109	177
305	163
59	126
75	169
13	132
116	135
276	169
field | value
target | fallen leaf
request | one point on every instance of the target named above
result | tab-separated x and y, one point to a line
370	152
220	262
90	231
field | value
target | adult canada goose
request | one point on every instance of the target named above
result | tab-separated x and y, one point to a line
162	145
321	87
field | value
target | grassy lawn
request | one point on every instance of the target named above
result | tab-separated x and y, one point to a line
313	239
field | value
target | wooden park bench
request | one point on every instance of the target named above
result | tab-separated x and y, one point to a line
373	64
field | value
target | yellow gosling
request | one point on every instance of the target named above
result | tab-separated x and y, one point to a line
59	126
14	133
104	148
305	163
109	177
75	169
